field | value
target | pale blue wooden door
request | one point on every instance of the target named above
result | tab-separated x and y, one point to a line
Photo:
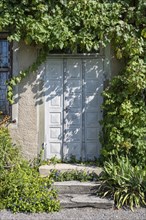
53	108
72	107
92	100
72	143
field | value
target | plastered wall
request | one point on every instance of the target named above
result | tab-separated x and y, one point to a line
24	132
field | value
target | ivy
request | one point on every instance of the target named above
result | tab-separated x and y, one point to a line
31	69
90	24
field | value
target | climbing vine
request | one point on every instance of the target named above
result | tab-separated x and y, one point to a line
22	74
90	24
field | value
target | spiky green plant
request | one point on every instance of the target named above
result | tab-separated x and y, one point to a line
124	183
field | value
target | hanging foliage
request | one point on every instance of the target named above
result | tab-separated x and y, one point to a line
90	24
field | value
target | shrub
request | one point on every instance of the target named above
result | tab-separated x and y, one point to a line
79	175
124	122
123	182
9	153
21	187
24	191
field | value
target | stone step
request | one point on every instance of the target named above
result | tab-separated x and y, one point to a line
76	187
76	194
45	170
84	200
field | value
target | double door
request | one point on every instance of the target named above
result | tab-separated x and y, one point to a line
73	99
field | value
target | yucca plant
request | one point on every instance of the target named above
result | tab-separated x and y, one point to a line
123	183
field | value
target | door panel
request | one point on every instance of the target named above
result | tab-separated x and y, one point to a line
74	69
91	101
55	100
73	101
93	84
73	118
91	118
92	134
55	118
53	108
73	134
73	109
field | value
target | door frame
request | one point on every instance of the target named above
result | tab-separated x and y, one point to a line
105	56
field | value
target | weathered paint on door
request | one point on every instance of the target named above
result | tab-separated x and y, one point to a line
73	98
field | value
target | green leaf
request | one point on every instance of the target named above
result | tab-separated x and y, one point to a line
143	33
61	45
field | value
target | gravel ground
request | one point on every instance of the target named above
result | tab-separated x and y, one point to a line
79	214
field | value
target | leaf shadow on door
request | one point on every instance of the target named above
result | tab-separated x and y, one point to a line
79	97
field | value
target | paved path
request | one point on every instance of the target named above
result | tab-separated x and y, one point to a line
79	214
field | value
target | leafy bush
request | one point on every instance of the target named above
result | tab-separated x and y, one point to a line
21	187
82	176
24	191
9	153
124	123
123	182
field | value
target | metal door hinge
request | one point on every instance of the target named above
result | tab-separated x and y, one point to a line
44	145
